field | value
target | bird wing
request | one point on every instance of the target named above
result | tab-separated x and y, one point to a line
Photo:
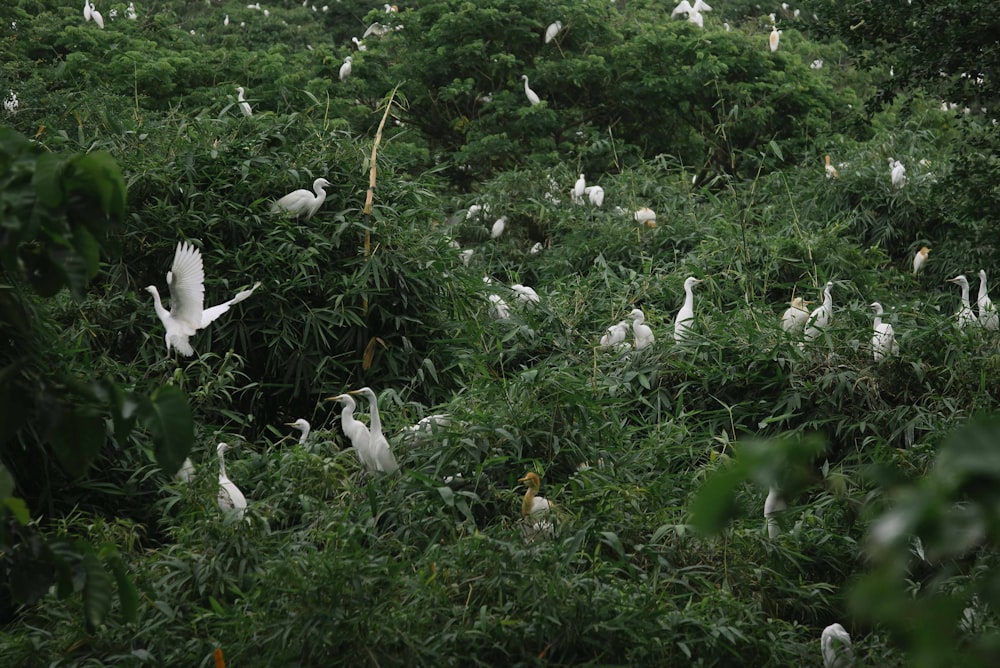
187	287
295	201
210	314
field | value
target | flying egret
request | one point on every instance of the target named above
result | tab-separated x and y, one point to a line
919	259
534	508
682	324
355	430
696	18
615	335
965	315
186	280
244	105
596	195
683	7
773	40
883	336
821	315
302	201
646	216
303	426
773	504
384	461
701	6
525	294
98	19
794	318
552	31
532	95
987	314
836	646
642	332
897	173
498	227
831	171
345	69
579	189
499	308
229	497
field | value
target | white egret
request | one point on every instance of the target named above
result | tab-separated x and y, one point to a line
87	11
579	190
384	461
225	21
359	44
816	64
646	216
428	424
883	336
130	12
537	248
96	15
186	472
303	426
186	280
229	497
524	293
897	173
499	308
534	508
987	314
302	201
244	105
552	31
596	195
532	95
376	29
10	103
475	210
498	227
696	18
965	315
835	644
701	6
641	331
345	69
774	38
615	335
773	504
466	255
682	324
794	318
919	258
831	171
821	315
355	430
683	7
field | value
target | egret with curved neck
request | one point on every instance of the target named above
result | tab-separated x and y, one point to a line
355	430
883	336
821	315
987	314
229	497
303	426
384	460
965	315
301	201
682	325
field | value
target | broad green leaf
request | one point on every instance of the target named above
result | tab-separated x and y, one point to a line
168	416
127	594
97	590
77	439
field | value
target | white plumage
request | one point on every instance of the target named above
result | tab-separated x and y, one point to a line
379	446
499	225
96	15
302	201
552	31
773	504
646	216
615	335
897	173
964	315
821	315
883	336
303	426
355	430
794	318
524	293
229	497
683	7
836	646
186	472
186	280
987	314
244	105
532	95
919	258
345	69
642	332
499	308
682	323
774	39
596	195
579	190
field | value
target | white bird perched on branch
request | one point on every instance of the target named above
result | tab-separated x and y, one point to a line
229	497
682	324
96	15
552	31
642	332
532	95
302	201
355	430
244	105
615	335
919	259
534	508
596	195
883	336
987	314
897	173
835	644
499	225
821	315
87	11
303	426
525	294
646	216
186	280
794	318
773	504
384	460
774	39
579	190
345	69
965	315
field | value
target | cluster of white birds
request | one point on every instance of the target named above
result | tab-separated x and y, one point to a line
692	13
369	443
988	318
642	335
90	13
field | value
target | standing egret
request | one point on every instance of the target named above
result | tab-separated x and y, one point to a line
534	507
186	280
225	21
229	497
965	315
355	430
615	335
987	314
831	171
794	318
774	38
302	201
303	426
498	227
87	11
244	105
552	31
596	195
384	461
646	216
499	308
345	69
640	330
532	95
579	189
835	644
821	315
883	336
359	44
773	504
98	19
897	173
682	324
919	258
525	294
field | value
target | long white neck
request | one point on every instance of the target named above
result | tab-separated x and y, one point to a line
320	193
347	412
984	292
827	300
689	298
376	425
878	319
304	436
158	305
222	464
965	294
